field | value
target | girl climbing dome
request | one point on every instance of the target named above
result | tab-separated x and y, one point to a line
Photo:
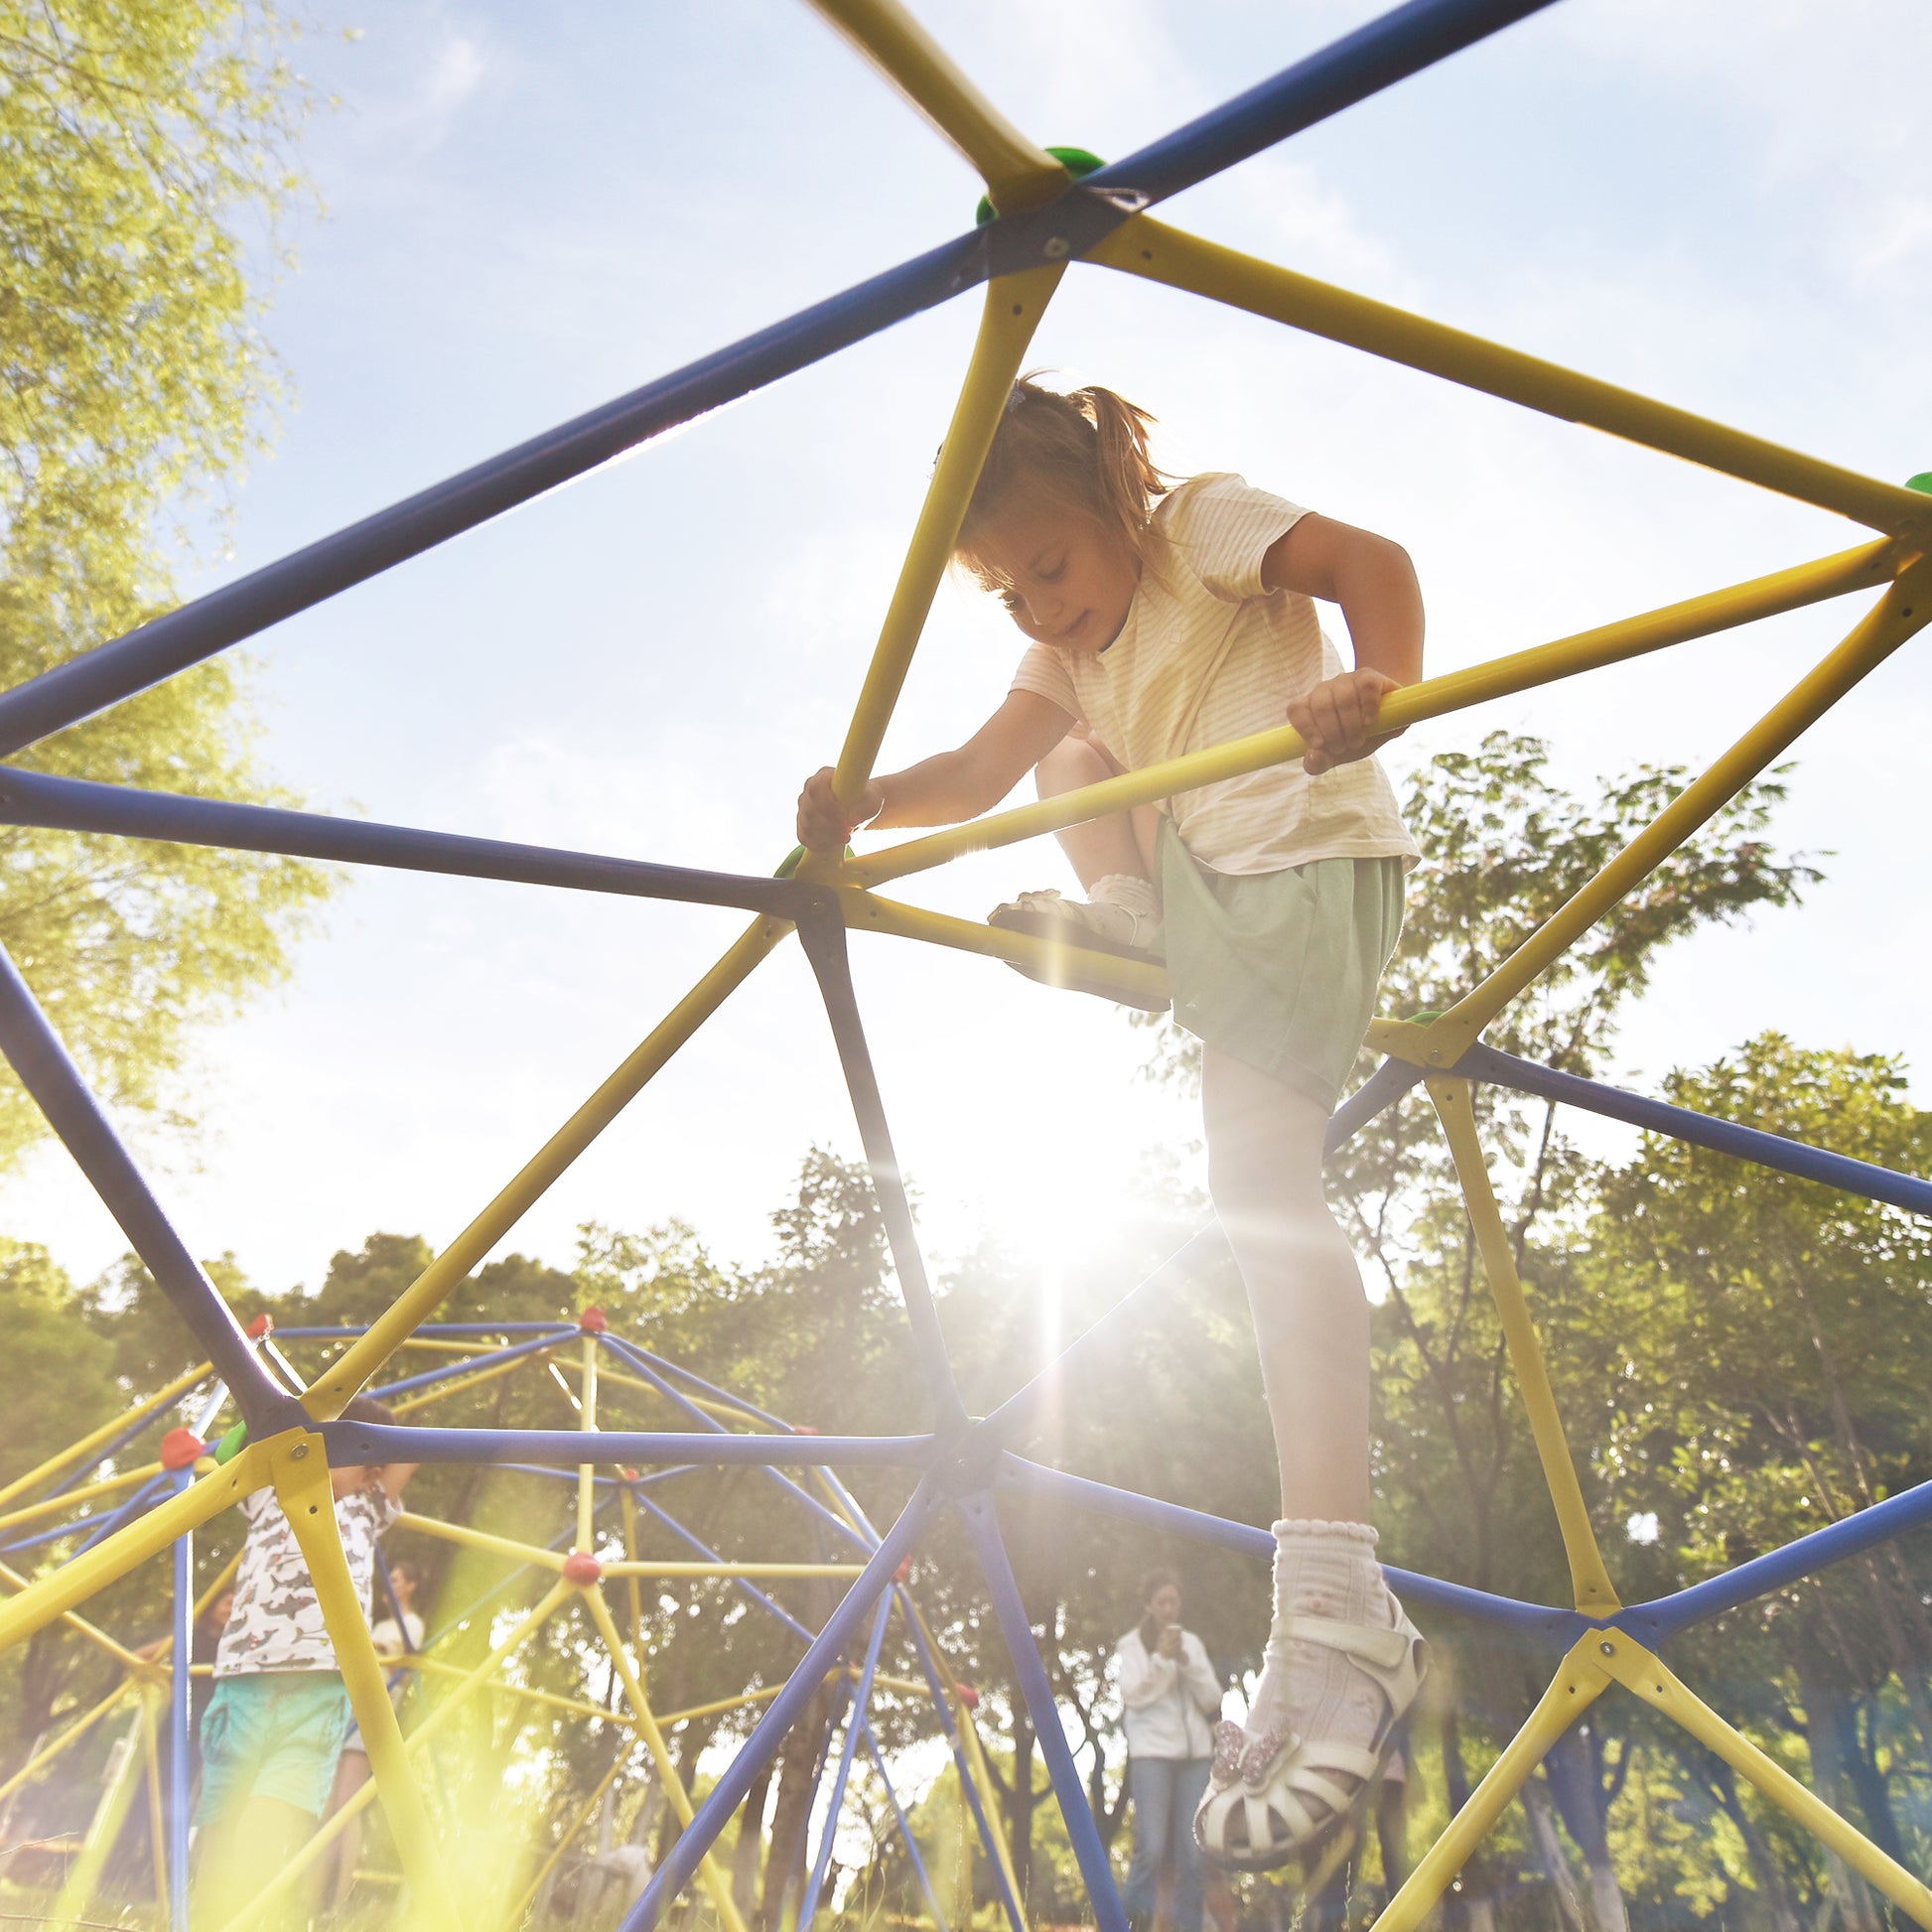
1166	617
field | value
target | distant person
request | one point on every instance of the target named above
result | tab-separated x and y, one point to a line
392	1640
1173	1698
275	1726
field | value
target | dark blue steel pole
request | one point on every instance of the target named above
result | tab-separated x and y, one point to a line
728	1793
180	1706
79	805
55	1083
1376	1095
368	1442
855	1725
905	1835
449	1371
1862	1178
1038	1691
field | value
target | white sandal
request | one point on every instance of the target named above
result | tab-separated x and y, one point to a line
1071	926
1255	1815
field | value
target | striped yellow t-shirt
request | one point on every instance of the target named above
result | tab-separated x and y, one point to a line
1208	654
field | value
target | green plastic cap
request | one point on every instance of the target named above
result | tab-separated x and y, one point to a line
1923	481
1076	161
797	857
231	1445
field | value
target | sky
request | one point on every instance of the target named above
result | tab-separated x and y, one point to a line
527	212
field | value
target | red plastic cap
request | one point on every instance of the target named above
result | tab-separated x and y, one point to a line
181	1449
593	1322
803	1429
261	1325
627	1471
969	1697
903	1573
580	1566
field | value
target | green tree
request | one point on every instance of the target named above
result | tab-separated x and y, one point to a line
137	141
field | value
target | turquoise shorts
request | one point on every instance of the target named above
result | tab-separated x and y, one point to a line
271	1734
1280	969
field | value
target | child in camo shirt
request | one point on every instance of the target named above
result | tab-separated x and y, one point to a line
275	1726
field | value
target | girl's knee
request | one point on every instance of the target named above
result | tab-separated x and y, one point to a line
1071	764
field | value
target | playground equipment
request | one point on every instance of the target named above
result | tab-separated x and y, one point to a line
1046	221
613	1516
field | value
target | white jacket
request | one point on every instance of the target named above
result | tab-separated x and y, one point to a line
1171	1707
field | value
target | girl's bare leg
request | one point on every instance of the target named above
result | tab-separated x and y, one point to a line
1121	842
1264	1162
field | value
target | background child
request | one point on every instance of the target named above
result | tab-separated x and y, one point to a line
1164	619
275	1725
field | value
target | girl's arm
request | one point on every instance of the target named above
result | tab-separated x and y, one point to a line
945	789
1375	584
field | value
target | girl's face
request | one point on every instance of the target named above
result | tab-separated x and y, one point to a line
1164	1606
1071	580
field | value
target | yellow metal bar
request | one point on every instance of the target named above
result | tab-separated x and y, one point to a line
1636	1669
650	1567
1590	1580
627	1506
710	1875
1904	608
1017	175
587	1472
104	1434
867	912
424	1396
103	1830
55	1593
444	1345
338	1382
415	1661
502	1545
1013	306
298	1464
68	1738
1580	1681
569	1837
331	1828
53	1505
1150	248
1502	677
157	1819
711	1710
95	1635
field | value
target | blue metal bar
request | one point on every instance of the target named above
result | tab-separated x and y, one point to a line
728	1793
1376	56
1376	1095
665	1366
76	806
467	1364
635	1358
744	1585
81	1471
435	1328
180	1691
1862	1178
855	1723
1018	1411
905	1834
1668	1615
368	1442
824	943
557	1542
46	1072
99	1528
1038	1691
1537	1620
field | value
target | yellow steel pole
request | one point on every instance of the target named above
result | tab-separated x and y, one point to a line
652	1566
1146	248
569	1837
1013	306
156	1814
338	1382
94	1635
299	1466
68	1738
1579	1683
1904	608
587	1472
1436	697
1595	1596
498	1546
333	1826
627	1504
55	1593
527	1692
104	1434
103	1829
87	1493
1017	175
709	1873
1636	1669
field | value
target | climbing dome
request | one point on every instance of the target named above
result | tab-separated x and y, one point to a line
597	1593
1043	221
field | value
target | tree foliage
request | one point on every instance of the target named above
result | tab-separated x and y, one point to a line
137	142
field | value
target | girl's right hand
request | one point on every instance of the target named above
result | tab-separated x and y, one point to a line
824	822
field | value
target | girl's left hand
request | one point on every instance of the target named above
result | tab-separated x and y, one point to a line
1337	719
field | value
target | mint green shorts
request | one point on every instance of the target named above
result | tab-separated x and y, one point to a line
1280	969
273	1733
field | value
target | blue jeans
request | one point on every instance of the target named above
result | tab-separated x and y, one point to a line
1165	1791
